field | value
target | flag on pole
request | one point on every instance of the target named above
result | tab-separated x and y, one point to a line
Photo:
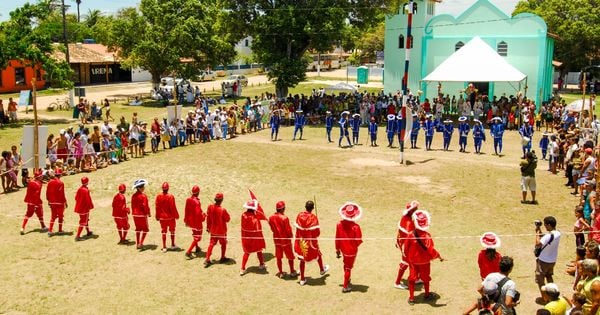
408	118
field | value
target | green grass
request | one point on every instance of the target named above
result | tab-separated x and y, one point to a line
45	92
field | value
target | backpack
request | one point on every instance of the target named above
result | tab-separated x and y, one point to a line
496	296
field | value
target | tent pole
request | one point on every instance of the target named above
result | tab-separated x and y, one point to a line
583	87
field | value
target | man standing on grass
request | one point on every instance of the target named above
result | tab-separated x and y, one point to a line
253	240
282	237
373	132
355	123
406	228
194	216
275	123
83	206
299	122
216	224
497	132
33	200
328	125
528	166
348	237
306	245
463	132
120	214
166	214
55	194
390	129
140	211
547	246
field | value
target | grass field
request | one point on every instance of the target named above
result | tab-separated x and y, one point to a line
467	195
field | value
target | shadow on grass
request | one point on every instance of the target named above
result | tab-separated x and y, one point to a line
432	300
256	270
317	281
419	162
149	247
361	288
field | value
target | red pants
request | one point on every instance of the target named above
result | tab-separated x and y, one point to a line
167	224
419	272
84	218
197	234
62	154
141	223
286	250
349	262
122	223
37	209
221	239
57	211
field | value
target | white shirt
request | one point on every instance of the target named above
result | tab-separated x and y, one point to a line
509	288
550	253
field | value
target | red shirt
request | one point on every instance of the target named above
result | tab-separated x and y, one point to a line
83	200
165	207
391	109
282	230
34	193
406	227
307	231
55	192
119	206
139	204
348	237
421	254
252	235
194	216
216	220
487	266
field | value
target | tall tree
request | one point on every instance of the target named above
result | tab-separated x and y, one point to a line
283	31
92	17
576	22
161	34
78	2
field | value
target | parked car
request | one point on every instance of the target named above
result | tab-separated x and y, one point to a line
206	75
238	78
168	82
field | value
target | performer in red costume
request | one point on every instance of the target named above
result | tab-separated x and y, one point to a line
282	236
405	230
252	237
33	200
55	194
348	237
194	216
83	206
140	212
120	214
306	245
420	251
166	214
217	218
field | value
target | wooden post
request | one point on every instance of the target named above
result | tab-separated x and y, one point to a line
583	87
36	147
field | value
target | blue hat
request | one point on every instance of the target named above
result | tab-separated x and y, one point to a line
391	117
462	118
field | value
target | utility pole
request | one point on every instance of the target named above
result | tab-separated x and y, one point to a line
410	8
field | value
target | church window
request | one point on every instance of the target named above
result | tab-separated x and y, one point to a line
458	46
401	41
431	8
502	49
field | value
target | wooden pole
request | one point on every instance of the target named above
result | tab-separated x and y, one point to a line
583	87
36	147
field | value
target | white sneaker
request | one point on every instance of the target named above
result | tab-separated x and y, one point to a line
164	249
243	272
401	286
302	282
262	267
325	270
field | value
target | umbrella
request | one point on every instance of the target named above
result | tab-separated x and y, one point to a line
576	106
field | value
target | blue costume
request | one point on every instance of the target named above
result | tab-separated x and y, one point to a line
344	129
390	129
447	133
373	132
526	131
497	131
544	145
299	123
400	126
463	131
429	130
414	133
275	122
329	125
478	135
355	123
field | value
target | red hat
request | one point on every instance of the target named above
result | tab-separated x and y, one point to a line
85	180
219	196
350	211
122	188
165	186
422	220
251	205
58	172
589	150
411	206
38	173
490	240
280	205
195	190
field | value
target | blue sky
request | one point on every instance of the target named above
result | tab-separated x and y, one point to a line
453	7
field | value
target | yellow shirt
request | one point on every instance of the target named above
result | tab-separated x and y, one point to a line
558	307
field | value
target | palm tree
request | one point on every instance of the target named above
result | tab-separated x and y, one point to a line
92	17
78	16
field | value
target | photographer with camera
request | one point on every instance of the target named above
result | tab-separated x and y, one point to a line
528	166
546	252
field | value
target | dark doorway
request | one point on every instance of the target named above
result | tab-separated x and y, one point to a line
483	88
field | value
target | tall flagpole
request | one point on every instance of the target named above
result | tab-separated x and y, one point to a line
409	8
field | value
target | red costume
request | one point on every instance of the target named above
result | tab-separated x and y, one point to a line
120	213
33	200
282	237
306	245
140	212
405	230
348	238
194	216
217	218
253	240
83	206
166	213
487	266
55	194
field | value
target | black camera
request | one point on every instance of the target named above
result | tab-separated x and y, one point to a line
537	223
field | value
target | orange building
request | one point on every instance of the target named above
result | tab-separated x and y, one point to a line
17	76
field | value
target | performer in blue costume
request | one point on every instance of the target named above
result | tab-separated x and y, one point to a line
400	125
414	133
429	131
390	129
299	123
344	128
373	132
544	145
355	123
526	132
478	135
447	133
497	131
463	132
275	122
328	125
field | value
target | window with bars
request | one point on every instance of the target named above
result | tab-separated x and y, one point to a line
458	46
502	49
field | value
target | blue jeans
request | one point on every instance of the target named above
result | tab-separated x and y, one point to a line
224	127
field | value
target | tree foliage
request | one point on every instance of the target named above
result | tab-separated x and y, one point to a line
283	31
22	38
576	22
161	34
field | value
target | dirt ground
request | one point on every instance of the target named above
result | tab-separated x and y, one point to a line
467	195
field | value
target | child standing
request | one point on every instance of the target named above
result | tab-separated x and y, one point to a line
580	226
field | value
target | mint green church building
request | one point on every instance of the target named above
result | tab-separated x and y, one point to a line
523	41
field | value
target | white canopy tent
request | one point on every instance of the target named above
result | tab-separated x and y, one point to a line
475	62
577	105
342	87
